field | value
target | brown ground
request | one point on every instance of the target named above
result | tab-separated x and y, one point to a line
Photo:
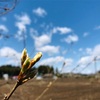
61	89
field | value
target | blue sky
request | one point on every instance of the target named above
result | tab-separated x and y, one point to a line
63	30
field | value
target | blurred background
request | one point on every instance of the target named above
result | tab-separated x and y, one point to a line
67	32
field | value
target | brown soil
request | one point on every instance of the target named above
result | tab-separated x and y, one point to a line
61	89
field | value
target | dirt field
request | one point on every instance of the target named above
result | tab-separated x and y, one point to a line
61	89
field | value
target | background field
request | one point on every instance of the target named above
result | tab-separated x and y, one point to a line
62	89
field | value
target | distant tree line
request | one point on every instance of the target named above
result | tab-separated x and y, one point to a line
14	70
10	70
44	69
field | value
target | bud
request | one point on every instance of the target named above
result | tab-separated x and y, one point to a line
23	56
35	59
25	65
26	73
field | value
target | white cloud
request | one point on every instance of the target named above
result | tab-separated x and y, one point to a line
71	38
68	61
96	50
12	55
22	21
61	30
8	52
40	12
98	58
20	35
80	49
64	52
21	26
92	53
3	28
85	60
41	40
97	28
52	60
89	51
41	44
49	49
33	32
56	60
85	34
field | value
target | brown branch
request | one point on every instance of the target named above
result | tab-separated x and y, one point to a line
12	91
6	9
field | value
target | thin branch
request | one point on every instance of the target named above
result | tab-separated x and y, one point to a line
12	91
7	9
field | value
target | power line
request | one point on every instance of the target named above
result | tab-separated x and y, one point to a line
75	68
94	60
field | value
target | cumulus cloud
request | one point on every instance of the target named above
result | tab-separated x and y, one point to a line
92	54
84	60
80	49
68	61
8	52
3	28
52	60
40	12
71	38
24	19
33	32
49	49
89	51
11	54
56	60
42	44
96	50
61	30
85	34
41	40
21	23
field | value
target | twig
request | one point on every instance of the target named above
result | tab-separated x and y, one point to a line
26	72
5	9
12	91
